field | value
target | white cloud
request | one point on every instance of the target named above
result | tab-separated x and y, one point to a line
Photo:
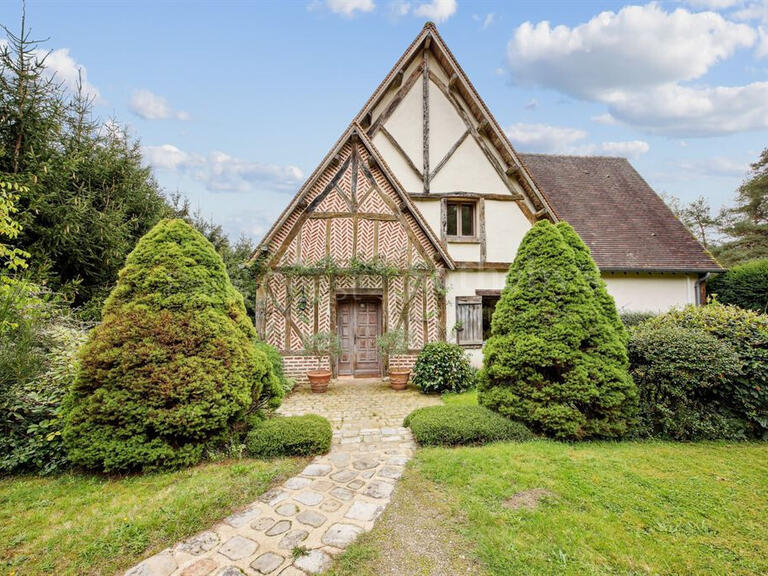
762	46
348	8
548	139
486	20
753	11
689	112
532	104
168	157
635	61
606	119
545	138
628	149
714	4
60	64
716	166
638	47
221	172
437	10
399	8
150	106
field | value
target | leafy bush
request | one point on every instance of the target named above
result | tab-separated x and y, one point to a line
556	358
38	349
290	436
442	367
683	375
275	385
460	425
745	396
631	319
172	367
745	286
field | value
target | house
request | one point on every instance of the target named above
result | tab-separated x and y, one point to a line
412	219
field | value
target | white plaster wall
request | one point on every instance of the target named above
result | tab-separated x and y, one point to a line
430	209
505	226
411	181
406	125
468	170
445	125
464	251
650	292
464	283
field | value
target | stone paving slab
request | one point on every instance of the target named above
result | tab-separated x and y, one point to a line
323	509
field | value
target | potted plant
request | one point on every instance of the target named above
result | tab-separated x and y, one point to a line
391	343
322	344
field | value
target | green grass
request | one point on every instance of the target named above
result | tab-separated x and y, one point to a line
83	524
468	398
616	508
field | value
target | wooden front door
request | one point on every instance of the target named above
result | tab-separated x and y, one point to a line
359	325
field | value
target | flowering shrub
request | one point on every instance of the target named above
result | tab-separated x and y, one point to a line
442	367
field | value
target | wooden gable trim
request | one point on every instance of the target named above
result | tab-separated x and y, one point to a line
430	39
406	205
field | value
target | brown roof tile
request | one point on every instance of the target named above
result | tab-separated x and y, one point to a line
619	216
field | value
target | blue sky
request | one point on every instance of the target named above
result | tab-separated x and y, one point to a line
235	102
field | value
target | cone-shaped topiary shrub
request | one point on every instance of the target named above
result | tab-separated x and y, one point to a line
591	273
172	366
555	360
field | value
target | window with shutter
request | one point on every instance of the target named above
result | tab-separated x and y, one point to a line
469	320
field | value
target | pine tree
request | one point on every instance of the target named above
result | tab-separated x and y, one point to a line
746	224
555	359
88	198
172	366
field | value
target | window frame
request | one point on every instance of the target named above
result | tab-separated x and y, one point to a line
459	237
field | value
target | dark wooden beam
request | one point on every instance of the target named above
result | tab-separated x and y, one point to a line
512	171
482	265
448	155
425	122
397	81
453	83
466	195
403	153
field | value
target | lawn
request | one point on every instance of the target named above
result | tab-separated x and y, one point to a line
605	508
84	524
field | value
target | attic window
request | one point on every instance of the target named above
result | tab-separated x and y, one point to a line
460	219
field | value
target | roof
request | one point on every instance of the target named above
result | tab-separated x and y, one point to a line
429	39
626	225
355	131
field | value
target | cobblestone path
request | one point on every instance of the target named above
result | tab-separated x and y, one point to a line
298	527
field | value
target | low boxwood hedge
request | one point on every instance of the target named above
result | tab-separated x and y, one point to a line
290	436
460	425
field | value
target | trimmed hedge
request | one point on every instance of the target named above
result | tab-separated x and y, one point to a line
682	375
462	425
172	368
290	436
442	367
745	285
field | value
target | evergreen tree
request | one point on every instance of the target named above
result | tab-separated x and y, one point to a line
172	366
746	224
89	198
555	359
591	273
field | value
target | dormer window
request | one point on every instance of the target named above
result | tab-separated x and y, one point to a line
460	219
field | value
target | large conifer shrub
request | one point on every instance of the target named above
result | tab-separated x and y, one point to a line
172	366
557	359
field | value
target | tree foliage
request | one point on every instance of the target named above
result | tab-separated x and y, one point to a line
172	367
744	285
744	397
556	359
746	224
87	198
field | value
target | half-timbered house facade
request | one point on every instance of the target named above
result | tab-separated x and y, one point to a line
412	219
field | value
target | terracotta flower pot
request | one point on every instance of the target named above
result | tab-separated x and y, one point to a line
398	378
318	380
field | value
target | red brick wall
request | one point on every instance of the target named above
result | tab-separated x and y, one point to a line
296	367
402	361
